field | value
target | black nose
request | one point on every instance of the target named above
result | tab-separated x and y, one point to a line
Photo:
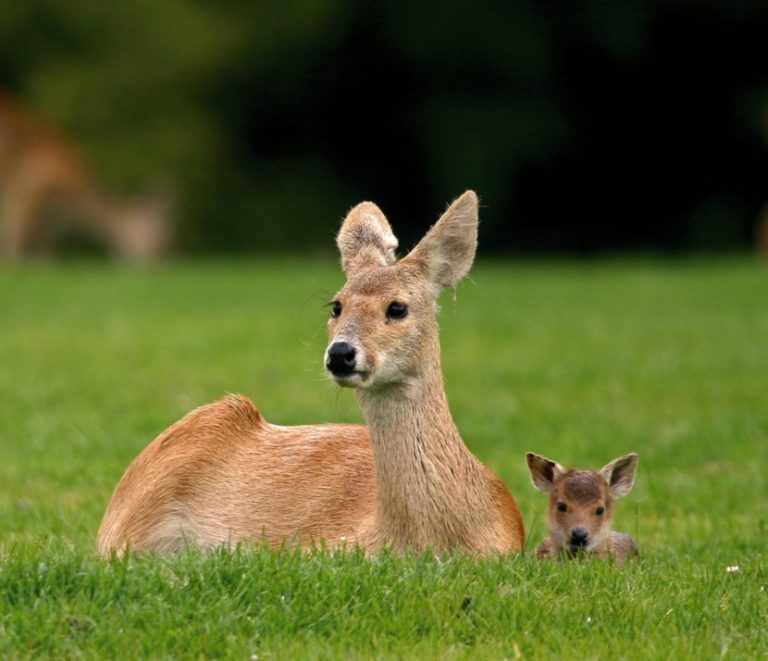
579	536
341	359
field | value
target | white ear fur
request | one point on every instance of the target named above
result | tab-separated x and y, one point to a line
543	471
620	474
448	249
365	239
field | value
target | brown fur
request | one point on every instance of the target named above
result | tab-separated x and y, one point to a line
223	474
46	190
575	497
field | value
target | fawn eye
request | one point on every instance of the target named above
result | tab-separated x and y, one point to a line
397	311
335	309
600	511
561	506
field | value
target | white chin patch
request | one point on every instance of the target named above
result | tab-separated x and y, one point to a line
595	541
354	380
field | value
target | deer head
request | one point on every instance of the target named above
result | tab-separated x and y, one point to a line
382	327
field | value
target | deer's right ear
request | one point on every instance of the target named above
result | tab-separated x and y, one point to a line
365	239
543	471
620	474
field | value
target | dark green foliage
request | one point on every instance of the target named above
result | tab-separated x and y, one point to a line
587	127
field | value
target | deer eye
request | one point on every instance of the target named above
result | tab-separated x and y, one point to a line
561	506
335	309
397	311
600	511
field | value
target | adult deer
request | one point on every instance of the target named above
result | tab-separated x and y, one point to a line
223	474
46	192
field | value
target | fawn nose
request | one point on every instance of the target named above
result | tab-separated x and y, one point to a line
340	360
579	536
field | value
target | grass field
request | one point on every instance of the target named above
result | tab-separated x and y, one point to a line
580	362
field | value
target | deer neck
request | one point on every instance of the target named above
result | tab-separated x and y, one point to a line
427	480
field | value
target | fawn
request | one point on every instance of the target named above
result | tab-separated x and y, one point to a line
46	192
581	507
223	474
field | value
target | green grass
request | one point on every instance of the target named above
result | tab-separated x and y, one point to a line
579	362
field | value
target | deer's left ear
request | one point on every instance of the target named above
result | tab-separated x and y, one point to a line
620	474
365	239
448	249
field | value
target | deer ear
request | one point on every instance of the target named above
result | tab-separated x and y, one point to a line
543	471
448	249
620	474
365	239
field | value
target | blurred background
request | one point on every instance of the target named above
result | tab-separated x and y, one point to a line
586	127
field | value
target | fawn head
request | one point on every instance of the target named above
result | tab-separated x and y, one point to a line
581	501
382	328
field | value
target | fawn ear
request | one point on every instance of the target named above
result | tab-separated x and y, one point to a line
543	471
448	249
365	239
620	474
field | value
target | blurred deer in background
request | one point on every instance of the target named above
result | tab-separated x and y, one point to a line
46	193
223	474
581	507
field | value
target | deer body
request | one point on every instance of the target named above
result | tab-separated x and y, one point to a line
581	507
223	474
46	191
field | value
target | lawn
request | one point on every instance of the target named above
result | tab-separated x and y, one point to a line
580	362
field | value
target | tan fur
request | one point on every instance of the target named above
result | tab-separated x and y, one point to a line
574	498
46	190
223	474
